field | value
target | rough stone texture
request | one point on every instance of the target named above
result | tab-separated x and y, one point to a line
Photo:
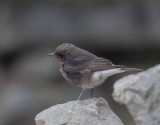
141	94
88	112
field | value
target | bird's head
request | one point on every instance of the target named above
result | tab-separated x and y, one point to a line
63	52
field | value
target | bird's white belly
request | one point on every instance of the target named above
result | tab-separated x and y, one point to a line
99	77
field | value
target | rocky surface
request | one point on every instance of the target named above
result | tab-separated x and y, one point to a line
141	94
87	112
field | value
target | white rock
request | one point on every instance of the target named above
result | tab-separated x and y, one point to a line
88	112
141	94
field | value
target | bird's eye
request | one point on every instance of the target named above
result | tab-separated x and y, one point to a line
60	55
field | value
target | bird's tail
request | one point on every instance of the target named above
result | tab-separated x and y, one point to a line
132	69
128	69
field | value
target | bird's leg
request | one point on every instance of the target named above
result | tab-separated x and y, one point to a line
91	93
80	94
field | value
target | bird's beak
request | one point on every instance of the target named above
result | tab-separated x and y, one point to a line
51	54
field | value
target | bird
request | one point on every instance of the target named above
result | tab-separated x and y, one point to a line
83	69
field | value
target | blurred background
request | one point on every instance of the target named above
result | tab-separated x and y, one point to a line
126	32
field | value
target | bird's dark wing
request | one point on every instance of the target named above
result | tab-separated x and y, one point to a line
77	66
100	64
97	64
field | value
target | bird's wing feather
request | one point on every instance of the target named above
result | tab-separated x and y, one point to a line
97	64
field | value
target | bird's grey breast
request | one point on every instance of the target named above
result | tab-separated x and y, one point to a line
76	79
